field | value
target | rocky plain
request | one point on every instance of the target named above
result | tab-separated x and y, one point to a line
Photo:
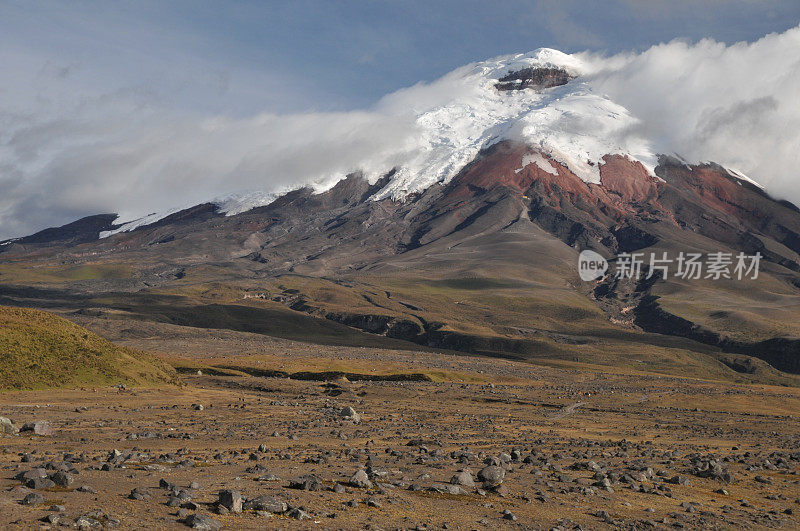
410	440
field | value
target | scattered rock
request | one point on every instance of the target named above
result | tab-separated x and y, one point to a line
42	428
62	479
678	480
7	427
464	477
203	522
309	482
711	468
40	483
174	501
348	413
31	474
446	488
501	490
231	500
491	476
33	498
140	493
299	514
266	503
87	522
361	480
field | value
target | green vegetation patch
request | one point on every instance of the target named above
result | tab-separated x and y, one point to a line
39	350
25	273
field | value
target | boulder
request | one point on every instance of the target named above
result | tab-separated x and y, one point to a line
40	483
360	480
348	413
492	476
62	479
464	477
31	474
7	427
42	428
309	482
140	493
446	488
231	500
33	499
266	503
203	522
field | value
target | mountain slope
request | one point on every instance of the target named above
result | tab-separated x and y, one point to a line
41	350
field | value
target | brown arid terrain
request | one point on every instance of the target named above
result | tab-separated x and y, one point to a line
263	432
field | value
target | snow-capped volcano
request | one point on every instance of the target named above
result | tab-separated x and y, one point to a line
472	108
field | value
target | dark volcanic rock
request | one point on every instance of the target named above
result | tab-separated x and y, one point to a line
266	503
491	476
202	522
231	500
81	231
534	77
308	482
140	493
62	479
32	499
40	483
40	427
360	480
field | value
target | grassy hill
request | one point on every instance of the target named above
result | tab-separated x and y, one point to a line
41	350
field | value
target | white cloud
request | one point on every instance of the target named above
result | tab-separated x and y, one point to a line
134	166
737	105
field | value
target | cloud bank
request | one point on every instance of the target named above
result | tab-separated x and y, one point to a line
737	105
63	156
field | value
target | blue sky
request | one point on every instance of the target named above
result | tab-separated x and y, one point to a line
241	57
140	106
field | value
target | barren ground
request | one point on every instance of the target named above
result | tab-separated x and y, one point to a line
587	440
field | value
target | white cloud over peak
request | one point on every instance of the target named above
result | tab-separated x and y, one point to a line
738	105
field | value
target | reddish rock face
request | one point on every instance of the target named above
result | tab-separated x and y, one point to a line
504	167
718	190
625	184
628	179
623	181
628	201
